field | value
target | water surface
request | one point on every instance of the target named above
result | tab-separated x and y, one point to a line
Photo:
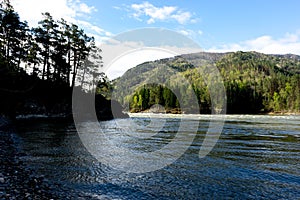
256	157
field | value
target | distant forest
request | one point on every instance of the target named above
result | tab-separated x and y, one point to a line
254	82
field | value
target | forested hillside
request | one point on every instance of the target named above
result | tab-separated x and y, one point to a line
40	66
254	82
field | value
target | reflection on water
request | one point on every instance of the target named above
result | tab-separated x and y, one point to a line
255	157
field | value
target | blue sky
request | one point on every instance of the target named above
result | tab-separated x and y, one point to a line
266	26
211	23
269	26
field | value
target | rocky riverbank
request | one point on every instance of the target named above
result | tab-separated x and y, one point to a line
44	101
17	181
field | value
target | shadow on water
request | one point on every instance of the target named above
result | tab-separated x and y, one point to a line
251	160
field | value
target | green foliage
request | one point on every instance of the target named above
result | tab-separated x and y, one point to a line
254	82
55	51
150	95
43	63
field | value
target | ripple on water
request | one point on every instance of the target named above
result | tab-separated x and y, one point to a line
255	157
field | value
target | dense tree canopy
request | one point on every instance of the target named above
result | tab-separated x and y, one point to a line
56	51
254	83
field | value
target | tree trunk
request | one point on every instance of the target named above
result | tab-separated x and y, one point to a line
69	66
74	70
44	68
83	75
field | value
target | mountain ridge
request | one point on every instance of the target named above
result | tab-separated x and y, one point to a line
271	81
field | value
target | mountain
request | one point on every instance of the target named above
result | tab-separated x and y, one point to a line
254	83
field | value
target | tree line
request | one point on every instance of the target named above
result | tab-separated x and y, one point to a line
254	83
55	51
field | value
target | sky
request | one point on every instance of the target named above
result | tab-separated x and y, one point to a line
266	26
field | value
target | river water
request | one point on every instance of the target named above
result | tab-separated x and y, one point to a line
256	157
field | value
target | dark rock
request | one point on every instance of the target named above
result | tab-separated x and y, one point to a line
56	103
31	107
107	109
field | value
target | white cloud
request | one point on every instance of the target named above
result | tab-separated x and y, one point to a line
184	32
30	10
118	65
121	55
289	43
165	13
182	17
94	28
132	58
117	7
71	10
85	8
191	33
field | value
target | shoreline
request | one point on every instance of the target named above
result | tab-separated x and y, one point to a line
283	113
204	114
211	116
